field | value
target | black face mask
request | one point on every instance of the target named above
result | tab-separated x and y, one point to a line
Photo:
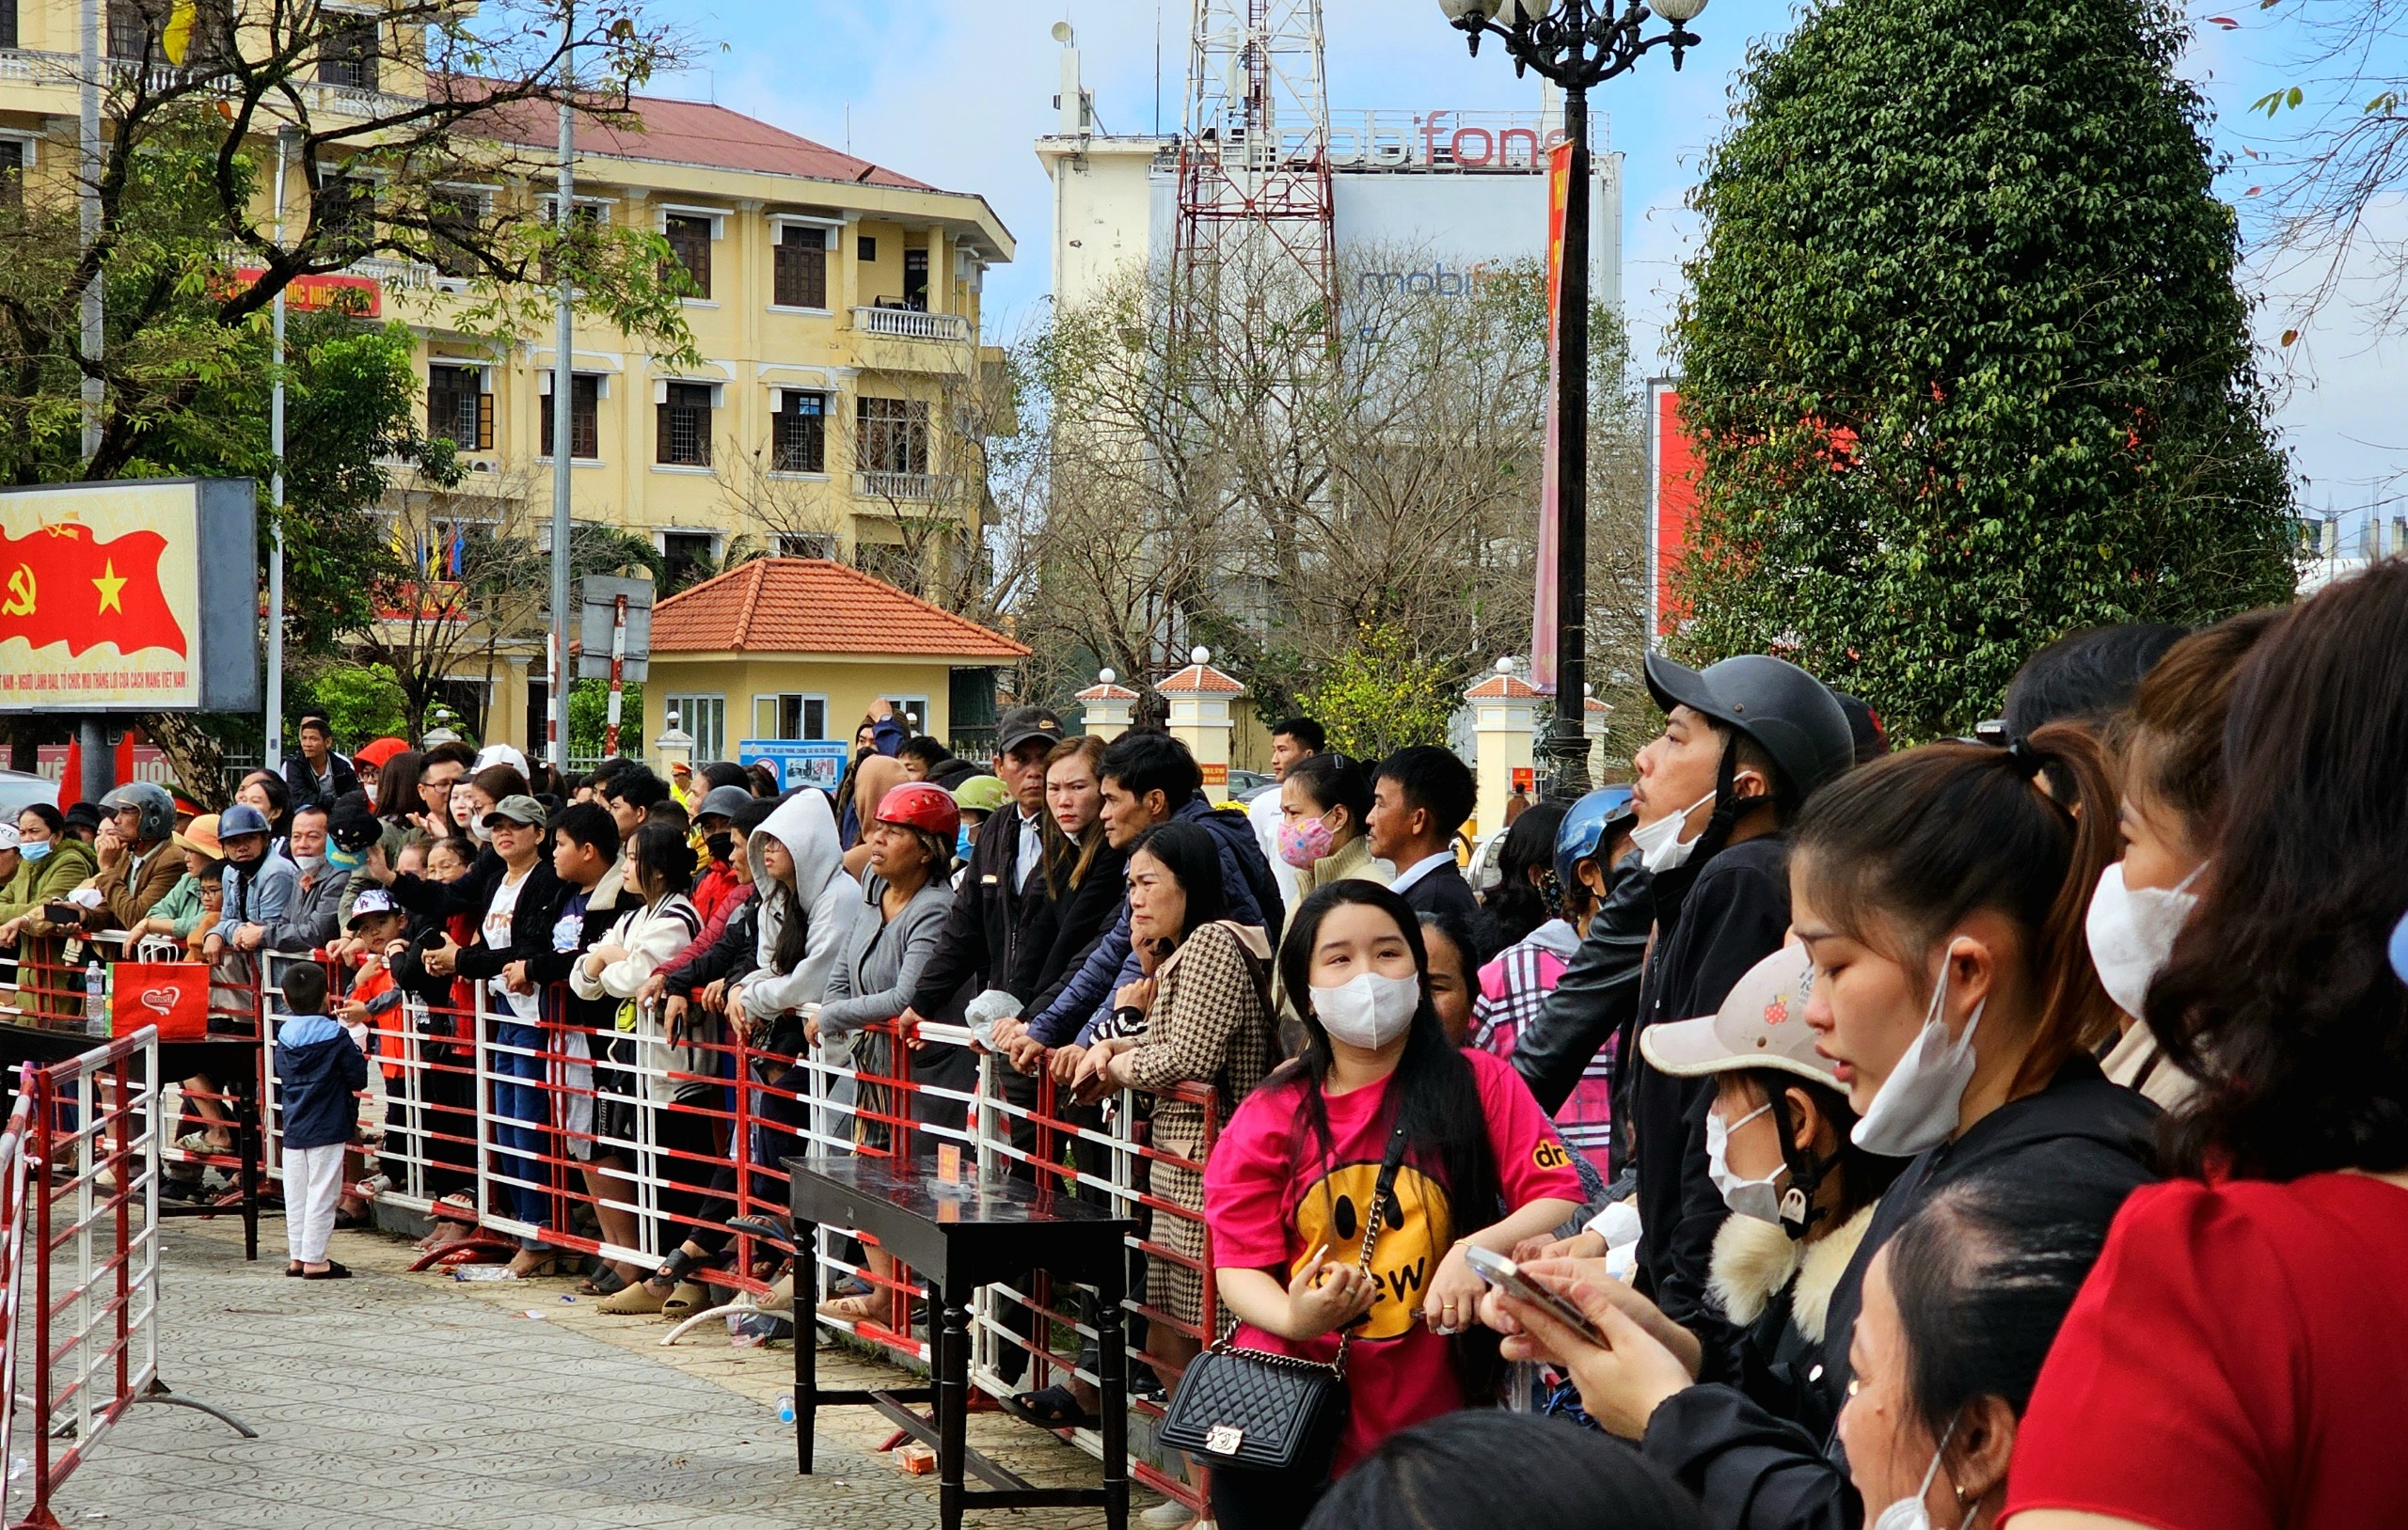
721	845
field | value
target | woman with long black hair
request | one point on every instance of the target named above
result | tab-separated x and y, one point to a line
2240	1357
1290	1189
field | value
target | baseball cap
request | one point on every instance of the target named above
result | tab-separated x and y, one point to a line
376	752
8	836
494	754
375	900
517	808
981	794
1762	1024
1022	723
722	802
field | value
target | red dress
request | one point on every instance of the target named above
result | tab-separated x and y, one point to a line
2238	1361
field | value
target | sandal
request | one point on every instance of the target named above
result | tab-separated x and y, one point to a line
603	1281
691	1295
455	1207
638	1300
1054	1408
853	1309
332	1272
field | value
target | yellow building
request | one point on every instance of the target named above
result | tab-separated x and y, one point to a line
836	314
800	648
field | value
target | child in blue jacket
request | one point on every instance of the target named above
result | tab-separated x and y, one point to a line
319	1072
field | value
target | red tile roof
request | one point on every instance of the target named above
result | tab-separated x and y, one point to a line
1204	678
695	132
812	605
1501	687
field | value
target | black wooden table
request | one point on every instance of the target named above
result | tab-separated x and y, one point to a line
958	1237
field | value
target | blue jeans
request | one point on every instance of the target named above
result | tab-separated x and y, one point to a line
522	1125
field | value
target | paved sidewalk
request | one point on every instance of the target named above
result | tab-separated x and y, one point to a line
395	1399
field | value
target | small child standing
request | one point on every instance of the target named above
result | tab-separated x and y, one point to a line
319	1072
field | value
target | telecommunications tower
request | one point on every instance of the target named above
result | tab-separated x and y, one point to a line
1252	257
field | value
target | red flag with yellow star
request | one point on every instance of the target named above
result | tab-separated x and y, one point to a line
57	584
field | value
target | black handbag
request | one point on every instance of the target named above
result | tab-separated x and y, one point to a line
1272	1412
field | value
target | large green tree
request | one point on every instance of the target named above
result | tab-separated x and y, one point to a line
1964	353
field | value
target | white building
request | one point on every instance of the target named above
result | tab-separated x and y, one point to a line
1445	191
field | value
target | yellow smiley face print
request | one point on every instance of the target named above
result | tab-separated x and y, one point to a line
1418	1227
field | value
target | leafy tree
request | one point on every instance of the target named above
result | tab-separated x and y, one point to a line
588	718
362	702
1379	696
1964	355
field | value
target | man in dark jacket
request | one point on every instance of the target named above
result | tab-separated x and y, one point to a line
1006	880
1419	799
316	774
1148	779
1745	742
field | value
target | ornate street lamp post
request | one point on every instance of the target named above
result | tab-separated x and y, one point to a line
1575	43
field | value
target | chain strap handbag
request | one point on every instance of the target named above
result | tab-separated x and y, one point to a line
1273	1413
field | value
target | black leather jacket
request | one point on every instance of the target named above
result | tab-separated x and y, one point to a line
1595	998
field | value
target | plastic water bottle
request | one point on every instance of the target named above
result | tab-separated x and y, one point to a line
96	998
786	1407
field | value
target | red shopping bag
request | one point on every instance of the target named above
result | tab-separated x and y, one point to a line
173	996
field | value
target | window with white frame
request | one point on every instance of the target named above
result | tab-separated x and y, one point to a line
799	433
689	246
684	435
457	406
800	267
790	715
706	719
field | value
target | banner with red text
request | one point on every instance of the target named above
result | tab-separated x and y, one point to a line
1542	606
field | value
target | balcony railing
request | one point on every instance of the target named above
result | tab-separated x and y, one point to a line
903	486
911	324
31	66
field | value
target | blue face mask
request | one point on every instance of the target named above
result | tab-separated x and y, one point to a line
961	842
34	849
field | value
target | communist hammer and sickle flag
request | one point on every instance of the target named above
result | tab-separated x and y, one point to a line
58	585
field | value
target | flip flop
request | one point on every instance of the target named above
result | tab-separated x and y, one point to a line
1053	1407
603	1281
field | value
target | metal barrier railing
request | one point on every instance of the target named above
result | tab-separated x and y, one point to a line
80	1169
620	1145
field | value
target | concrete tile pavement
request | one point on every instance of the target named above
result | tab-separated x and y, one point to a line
395	1399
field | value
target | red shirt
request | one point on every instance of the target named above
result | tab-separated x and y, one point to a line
2238	1361
1268	1206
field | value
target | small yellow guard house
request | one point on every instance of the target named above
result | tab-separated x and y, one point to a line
802	647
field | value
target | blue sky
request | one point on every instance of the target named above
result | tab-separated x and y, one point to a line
955	92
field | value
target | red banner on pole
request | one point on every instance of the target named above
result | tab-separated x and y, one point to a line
1543	612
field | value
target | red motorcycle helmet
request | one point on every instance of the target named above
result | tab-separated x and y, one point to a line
924	805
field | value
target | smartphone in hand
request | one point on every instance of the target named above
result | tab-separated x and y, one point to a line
1507	1276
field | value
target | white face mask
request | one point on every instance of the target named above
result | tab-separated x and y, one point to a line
2132	932
1756	1198
479	832
1917	1104
1909	1513
1368	1010
308	864
1659	845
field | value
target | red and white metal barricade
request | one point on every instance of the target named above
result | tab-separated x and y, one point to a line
81	1180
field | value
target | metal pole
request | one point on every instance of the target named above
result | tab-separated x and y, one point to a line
562	447
1567	737
272	731
89	205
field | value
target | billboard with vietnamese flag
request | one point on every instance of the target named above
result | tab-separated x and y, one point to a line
136	595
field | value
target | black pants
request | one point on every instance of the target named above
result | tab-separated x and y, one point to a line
778	1115
1243	1500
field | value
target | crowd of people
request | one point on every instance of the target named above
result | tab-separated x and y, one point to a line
2006	1128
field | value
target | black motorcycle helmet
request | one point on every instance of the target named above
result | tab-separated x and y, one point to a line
1792	716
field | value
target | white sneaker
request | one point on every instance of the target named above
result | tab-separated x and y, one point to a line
1170	1514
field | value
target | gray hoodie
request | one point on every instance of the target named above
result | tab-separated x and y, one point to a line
806	826
882	959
